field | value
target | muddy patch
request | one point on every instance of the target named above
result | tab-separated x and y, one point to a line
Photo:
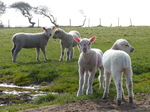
12	94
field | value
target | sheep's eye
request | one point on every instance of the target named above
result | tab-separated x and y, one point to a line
127	45
89	44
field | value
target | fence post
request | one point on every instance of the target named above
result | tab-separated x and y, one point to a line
8	23
70	21
89	22
118	21
100	22
38	23
130	22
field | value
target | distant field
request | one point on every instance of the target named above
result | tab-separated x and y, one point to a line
62	77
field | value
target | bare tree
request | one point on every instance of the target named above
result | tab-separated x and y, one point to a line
25	9
2	11
2	7
45	11
83	14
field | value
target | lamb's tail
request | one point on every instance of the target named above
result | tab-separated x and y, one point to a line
14	38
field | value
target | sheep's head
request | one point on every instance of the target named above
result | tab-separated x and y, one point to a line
48	31
58	33
85	44
123	44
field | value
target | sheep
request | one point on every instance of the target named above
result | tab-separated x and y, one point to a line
116	61
66	41
89	61
31	40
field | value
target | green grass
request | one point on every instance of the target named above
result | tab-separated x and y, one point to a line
62	77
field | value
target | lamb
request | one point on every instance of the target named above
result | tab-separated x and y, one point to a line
116	61
31	40
90	60
66	41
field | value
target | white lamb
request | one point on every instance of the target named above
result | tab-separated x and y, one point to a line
31	40
116	61
89	61
66	41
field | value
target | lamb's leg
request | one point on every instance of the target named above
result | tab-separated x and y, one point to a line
81	81
118	84
13	49
69	53
107	84
86	77
101	77
62	53
129	84
17	49
90	82
37	53
44	52
72	53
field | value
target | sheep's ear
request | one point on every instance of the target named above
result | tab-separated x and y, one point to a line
92	39
43	28
53	27
76	39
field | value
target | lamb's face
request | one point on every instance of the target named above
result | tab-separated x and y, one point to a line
124	45
85	45
48	31
57	34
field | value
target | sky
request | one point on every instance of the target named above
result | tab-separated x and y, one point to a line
108	11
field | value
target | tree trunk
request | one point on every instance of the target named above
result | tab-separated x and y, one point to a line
32	23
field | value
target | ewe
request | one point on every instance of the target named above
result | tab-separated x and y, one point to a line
66	41
116	61
89	61
31	40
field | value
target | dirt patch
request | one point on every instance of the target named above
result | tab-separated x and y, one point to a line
96	105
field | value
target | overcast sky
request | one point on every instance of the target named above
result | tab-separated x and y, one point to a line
108	10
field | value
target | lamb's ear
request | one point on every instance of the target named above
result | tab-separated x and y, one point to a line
43	28
76	39
92	39
54	27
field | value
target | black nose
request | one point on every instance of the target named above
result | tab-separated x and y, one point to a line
132	50
50	34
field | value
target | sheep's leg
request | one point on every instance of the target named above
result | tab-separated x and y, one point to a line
79	48
129	84
81	81
16	50
86	76
69	53
90	82
118	84
107	84
13	49
37	54
72	53
62	53
44	52
101	77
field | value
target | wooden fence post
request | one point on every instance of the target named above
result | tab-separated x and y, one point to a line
8	23
130	22
70	21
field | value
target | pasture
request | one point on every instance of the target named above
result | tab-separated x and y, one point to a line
62	77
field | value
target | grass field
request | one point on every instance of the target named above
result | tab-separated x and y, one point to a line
62	76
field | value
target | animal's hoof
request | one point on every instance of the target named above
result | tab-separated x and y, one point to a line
60	59
104	97
119	102
130	100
